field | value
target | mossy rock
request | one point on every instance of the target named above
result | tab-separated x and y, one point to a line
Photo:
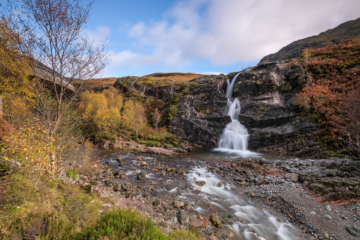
8	167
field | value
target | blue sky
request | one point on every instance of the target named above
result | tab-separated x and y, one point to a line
206	36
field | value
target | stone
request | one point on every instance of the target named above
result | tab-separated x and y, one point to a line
216	221
328	217
141	176
326	235
195	223
178	204
142	163
118	159
291	177
220	184
126	187
313	213
353	229
180	171
183	217
200	183
157	202
328	208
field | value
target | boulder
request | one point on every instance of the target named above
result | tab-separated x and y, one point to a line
141	176
183	217
178	204
216	221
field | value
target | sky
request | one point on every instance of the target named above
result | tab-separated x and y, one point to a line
205	36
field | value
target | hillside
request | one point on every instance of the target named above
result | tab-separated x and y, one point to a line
347	30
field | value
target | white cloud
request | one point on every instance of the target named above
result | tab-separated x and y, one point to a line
211	73
99	35
230	31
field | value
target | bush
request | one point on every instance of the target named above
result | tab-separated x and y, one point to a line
122	224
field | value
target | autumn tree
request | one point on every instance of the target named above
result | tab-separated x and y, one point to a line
134	116
156	119
49	36
103	111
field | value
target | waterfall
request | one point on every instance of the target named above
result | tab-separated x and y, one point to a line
235	136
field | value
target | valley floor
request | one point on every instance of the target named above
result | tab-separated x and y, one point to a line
233	198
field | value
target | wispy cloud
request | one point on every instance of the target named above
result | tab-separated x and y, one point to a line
230	31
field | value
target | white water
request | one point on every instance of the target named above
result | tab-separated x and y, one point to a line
234	138
249	222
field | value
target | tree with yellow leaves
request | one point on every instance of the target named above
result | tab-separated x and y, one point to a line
134	117
102	111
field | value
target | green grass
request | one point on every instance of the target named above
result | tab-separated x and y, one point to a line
150	143
122	224
71	173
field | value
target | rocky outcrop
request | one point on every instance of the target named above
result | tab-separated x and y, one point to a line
270	113
347	30
201	115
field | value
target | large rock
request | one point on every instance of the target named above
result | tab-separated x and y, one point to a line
201	115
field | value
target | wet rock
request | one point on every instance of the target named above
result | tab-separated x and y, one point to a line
216	221
180	171
200	183
93	182
141	176
220	184
157	202
353	229
196	223
178	204
142	163
183	217
118	159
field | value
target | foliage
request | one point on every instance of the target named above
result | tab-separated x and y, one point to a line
122	224
172	112
182	235
332	77
35	148
71	173
101	111
5	129
134	116
13	69
49	208
49	37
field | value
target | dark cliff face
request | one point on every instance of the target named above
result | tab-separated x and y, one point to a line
201	114
268	109
270	113
347	30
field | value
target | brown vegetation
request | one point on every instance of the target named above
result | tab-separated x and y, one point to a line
96	82
332	92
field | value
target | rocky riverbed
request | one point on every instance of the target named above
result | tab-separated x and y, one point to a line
234	198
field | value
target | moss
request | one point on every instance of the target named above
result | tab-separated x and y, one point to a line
194	86
149	143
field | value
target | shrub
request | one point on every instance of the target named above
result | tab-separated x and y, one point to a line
134	116
122	224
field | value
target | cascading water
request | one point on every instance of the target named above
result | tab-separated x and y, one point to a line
235	136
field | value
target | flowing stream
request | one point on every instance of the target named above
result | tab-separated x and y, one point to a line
249	222
234	138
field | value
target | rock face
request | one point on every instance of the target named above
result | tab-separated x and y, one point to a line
269	111
201	115
347	30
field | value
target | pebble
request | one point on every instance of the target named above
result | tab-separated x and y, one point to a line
313	213
327	217
328	208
